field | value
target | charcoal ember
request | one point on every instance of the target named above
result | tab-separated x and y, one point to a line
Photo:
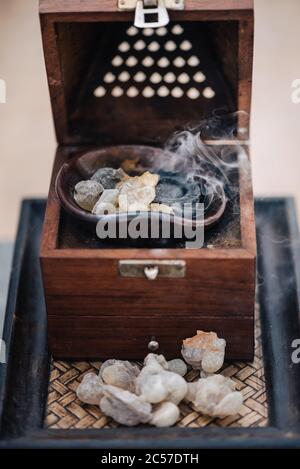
173	189
165	414
204	351
90	390
124	407
107	203
122	374
169	190
86	194
216	396
109	177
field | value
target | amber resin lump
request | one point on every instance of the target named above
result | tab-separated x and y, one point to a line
112	190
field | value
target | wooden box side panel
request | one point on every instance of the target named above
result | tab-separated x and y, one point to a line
52	214
128	337
94	287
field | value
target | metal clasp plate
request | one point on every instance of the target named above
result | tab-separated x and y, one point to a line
127	5
143	11
152	270
144	8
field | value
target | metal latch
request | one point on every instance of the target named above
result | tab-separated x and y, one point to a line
152	269
155	9
158	11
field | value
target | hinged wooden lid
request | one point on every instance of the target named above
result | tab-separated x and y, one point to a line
111	83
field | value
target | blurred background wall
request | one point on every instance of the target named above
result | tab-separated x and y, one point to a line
27	142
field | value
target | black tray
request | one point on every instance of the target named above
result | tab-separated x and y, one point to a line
24	378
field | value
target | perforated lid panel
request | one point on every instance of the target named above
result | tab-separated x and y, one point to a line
141	85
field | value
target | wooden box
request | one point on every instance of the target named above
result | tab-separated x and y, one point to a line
93	311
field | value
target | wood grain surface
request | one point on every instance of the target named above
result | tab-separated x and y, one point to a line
83	289
92	6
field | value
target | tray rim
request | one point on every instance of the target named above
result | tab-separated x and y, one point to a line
284	401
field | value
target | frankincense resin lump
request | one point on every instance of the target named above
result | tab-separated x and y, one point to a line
165	414
204	351
133	396
111	190
120	373
124	407
215	396
87	193
156	384
107	202
90	390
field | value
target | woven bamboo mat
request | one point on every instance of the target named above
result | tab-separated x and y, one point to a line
65	411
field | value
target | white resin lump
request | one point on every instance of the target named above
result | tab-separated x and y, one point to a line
204	351
137	190
86	194
156	384
112	190
165	414
119	373
90	390
128	197
133	396
177	366
157	207
124	407
107	202
215	396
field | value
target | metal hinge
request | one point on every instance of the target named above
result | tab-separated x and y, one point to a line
157	9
